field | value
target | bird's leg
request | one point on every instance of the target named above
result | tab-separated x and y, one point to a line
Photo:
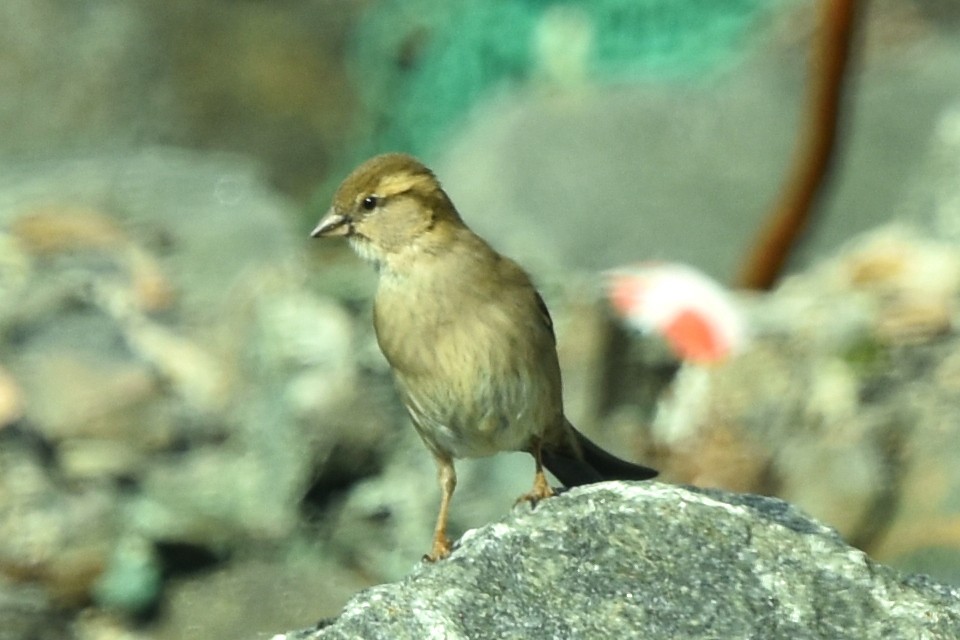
541	488
448	482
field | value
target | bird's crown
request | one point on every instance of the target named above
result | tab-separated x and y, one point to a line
384	176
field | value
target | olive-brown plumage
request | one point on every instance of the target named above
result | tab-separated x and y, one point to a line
468	338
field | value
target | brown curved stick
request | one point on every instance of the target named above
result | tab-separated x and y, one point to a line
788	219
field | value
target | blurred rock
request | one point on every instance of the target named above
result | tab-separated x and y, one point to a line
82	459
842	402
618	560
11	399
79	394
250	597
94	624
131	581
55	539
26	613
51	231
170	374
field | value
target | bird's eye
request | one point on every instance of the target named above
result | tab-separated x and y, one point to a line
369	203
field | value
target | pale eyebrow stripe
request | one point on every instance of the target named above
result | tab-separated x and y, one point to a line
396	184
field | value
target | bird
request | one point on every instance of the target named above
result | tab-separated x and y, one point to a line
468	338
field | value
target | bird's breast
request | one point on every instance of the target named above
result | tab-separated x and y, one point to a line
478	374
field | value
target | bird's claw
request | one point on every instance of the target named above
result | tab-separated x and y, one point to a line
541	490
440	550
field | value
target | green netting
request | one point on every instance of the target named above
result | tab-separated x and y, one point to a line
669	38
420	64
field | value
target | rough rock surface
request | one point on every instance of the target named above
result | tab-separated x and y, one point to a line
619	560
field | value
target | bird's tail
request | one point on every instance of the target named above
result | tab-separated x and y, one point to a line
578	461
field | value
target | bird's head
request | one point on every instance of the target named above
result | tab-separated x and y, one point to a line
389	204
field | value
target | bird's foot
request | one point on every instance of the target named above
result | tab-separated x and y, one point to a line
440	550
541	490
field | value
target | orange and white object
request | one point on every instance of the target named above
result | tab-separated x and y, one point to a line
697	317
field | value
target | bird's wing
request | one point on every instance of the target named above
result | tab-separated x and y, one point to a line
545	315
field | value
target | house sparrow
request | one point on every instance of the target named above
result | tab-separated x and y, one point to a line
468	337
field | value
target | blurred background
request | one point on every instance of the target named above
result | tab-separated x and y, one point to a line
198	435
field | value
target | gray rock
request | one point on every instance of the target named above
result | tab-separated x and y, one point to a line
619	560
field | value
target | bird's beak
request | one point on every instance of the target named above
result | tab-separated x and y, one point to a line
331	224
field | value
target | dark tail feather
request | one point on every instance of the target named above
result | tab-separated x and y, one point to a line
590	464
